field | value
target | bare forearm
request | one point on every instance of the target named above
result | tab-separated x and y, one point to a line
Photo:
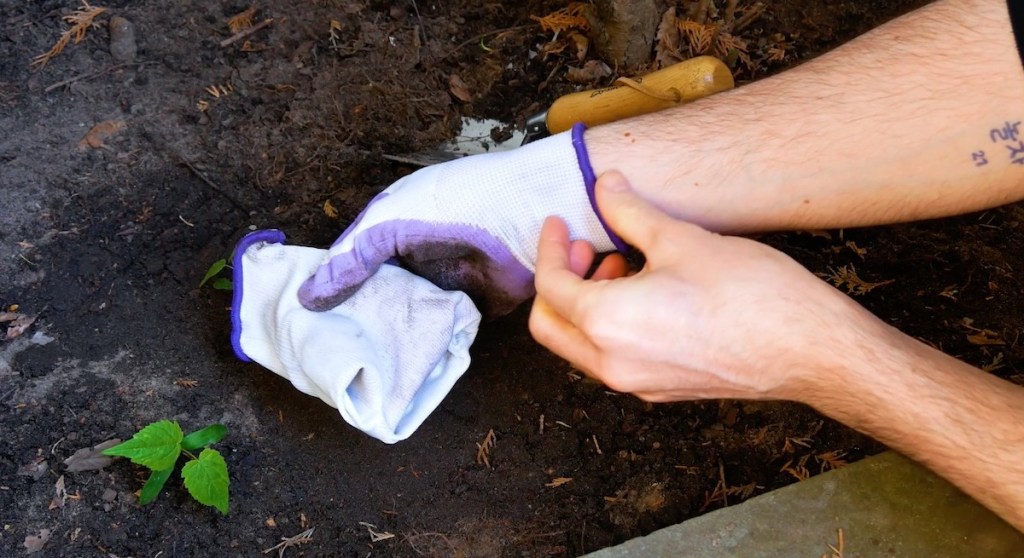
959	421
907	122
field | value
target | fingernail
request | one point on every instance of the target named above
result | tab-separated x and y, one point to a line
614	181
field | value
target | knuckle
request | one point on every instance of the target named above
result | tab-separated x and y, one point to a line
545	327
537	323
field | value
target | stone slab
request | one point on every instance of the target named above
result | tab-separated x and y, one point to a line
886	506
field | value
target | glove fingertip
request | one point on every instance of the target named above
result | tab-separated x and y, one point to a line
326	288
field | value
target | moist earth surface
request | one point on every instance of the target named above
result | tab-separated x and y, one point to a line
124	179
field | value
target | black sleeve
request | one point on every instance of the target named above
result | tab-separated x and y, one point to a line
1017	23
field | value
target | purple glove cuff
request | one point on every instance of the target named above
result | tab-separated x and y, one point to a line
272	236
583	158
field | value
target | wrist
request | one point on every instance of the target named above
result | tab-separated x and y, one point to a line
844	364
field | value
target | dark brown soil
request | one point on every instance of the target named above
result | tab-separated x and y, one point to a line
107	246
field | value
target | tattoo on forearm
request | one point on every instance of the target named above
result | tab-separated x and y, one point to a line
1006	142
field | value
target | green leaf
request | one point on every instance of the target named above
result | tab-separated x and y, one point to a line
154	485
206	479
156	446
223	284
216	268
202	438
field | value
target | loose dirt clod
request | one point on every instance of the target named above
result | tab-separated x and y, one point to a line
123	47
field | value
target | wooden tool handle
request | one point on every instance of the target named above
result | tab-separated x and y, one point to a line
679	83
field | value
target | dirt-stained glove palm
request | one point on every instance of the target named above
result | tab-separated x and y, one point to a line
470	225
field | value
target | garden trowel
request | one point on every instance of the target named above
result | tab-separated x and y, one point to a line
670	86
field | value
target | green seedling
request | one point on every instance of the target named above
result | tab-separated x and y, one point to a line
158	447
220	283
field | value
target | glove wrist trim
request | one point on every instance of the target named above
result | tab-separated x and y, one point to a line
589	180
270	236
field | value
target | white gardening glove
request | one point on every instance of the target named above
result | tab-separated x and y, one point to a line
471	225
385	358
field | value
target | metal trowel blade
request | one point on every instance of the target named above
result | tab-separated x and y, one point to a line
474	138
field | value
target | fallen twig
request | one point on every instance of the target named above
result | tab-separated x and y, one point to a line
730	13
476	38
375	535
700	13
246	32
725	487
95	74
836	551
421	27
211	184
286	542
750	15
483	449
162	145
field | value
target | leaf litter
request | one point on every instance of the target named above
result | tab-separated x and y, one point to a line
92	458
18	323
60	494
97	136
35	469
81	21
35	543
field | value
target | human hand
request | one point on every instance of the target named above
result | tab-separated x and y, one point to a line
709	316
469	225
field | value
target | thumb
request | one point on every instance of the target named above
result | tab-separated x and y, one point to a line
639	223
